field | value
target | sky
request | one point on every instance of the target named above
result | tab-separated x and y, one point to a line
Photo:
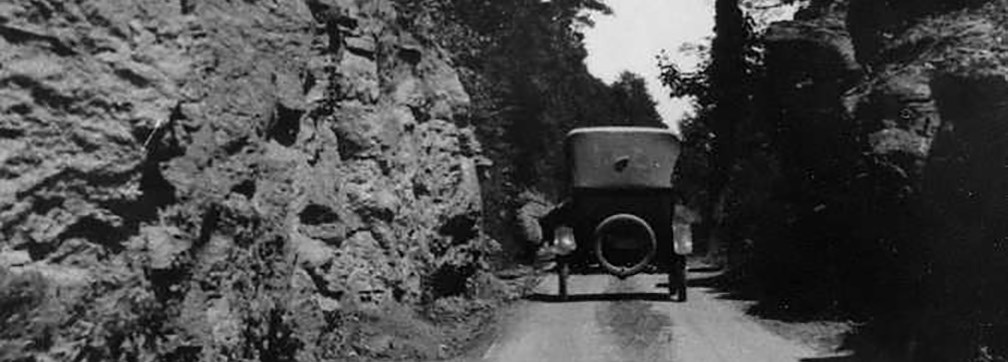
637	31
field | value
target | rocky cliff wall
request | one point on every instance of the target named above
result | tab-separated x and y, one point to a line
224	179
890	115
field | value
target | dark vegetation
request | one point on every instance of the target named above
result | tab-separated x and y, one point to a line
522	62
818	210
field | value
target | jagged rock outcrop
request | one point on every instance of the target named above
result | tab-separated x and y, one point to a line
889	117
224	179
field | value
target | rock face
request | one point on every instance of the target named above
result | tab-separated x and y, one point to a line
225	173
892	113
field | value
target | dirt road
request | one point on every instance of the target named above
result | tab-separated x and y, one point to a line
608	319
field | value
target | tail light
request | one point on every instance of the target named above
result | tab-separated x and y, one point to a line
683	239
564	242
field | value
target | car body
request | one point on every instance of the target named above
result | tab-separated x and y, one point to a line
620	205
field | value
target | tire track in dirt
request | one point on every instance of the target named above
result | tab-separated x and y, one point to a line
607	319
640	332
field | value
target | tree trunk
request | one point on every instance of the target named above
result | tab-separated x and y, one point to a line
728	75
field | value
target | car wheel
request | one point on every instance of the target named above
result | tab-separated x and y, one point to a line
563	271
673	285
677	281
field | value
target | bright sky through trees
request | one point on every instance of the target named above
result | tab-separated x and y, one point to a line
637	31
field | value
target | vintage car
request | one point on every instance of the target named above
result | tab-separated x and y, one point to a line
618	217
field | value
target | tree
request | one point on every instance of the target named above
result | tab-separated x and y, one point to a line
727	78
522	62
633	104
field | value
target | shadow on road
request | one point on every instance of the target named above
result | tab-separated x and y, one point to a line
831	359
886	341
705	269
733	285
600	297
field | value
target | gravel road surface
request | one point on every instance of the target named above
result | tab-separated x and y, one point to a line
607	319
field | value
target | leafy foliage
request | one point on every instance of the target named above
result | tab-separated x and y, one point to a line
632	103
830	226
720	138
522	62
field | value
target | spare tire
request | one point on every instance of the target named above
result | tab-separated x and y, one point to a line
624	244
